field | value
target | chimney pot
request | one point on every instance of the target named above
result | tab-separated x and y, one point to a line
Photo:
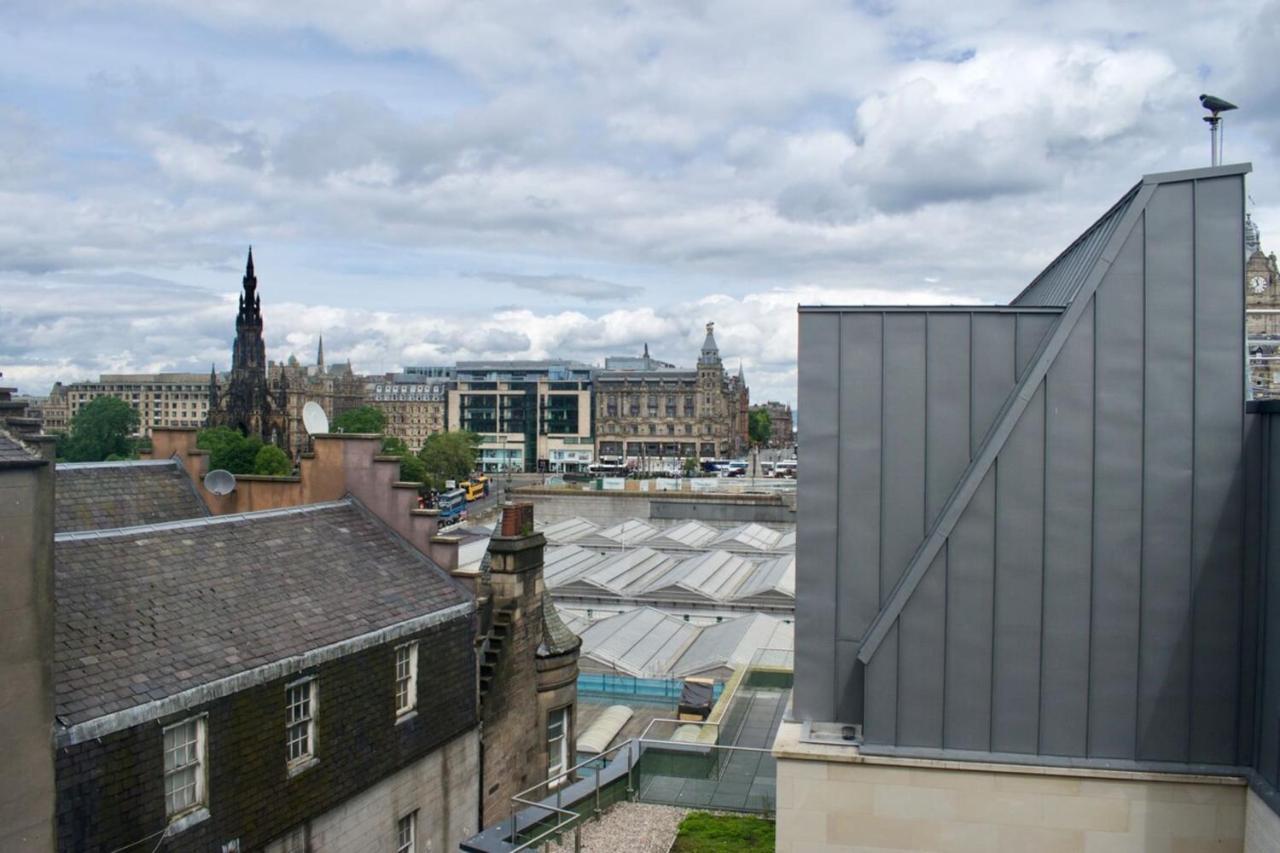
517	519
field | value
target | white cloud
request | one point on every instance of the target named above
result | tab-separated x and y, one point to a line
440	180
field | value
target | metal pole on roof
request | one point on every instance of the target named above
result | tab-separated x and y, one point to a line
1215	105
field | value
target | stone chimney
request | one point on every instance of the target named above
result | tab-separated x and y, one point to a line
528	665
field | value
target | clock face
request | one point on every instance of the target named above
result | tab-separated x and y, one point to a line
1258	284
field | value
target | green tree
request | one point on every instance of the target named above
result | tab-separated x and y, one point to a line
272	461
759	427
365	419
691	466
413	469
393	445
229	450
449	456
103	428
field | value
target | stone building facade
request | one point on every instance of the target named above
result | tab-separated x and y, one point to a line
781	426
414	405
335	388
160	399
247	401
656	417
1262	326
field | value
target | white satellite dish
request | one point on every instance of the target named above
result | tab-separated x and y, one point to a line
314	419
220	482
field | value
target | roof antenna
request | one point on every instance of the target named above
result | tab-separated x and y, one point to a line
1215	105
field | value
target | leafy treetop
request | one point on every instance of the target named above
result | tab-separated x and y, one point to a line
365	419
759	427
102	430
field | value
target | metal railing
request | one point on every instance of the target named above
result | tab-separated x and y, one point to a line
564	817
705	763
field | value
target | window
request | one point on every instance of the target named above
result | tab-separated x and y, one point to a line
300	721
407	833
406	678
557	745
184	766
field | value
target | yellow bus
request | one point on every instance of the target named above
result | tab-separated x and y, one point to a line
476	487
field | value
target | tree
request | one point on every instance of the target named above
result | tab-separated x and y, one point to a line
393	445
413	469
272	461
759	427
449	456
691	466
230	450
365	419
103	428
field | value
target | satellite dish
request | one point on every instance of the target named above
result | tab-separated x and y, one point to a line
314	419
220	482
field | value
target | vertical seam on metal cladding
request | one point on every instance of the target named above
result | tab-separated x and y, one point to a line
946	609
995	574
1264	425
1044	568
1093	524
866	668
969	454
1142	493
835	615
1195	387
1243	358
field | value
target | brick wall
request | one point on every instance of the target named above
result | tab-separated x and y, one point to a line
111	792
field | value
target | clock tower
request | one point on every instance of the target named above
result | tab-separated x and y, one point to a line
1262	330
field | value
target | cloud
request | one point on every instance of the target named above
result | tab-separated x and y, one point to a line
576	286
1008	119
644	168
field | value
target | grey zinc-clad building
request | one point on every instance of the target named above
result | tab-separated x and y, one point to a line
1022	529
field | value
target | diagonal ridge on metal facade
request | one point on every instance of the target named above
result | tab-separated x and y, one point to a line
1059	282
1134	205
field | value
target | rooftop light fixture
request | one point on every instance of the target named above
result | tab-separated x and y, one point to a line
1215	105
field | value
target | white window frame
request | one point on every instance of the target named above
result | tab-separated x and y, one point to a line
408	679
201	767
558	748
305	758
407	833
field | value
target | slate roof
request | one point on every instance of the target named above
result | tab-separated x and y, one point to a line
147	612
108	495
557	639
14	455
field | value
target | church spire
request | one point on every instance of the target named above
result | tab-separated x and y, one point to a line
320	355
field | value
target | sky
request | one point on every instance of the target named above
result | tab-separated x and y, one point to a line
425	182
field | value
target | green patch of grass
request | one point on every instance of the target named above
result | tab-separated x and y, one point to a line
707	833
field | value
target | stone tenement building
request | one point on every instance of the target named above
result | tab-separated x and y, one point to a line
247	402
654	415
160	399
781	427
414	405
1262	294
